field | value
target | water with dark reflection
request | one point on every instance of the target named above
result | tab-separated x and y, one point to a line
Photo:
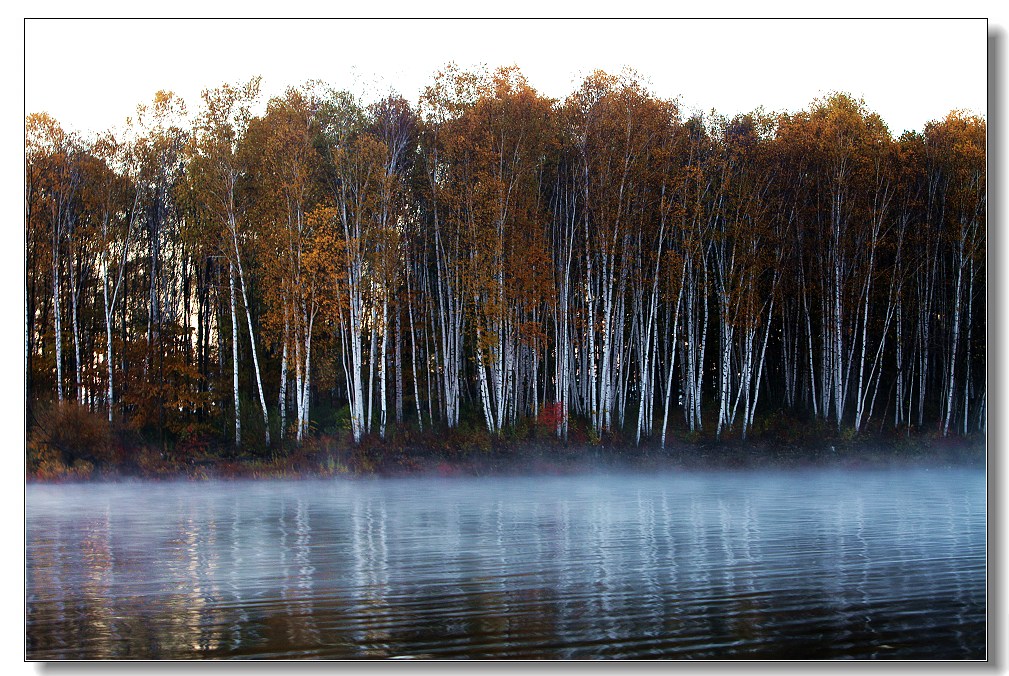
758	564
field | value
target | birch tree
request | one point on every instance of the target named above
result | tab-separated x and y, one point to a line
221	125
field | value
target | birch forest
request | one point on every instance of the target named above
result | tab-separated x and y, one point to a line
255	274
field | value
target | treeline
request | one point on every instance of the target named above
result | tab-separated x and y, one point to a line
493	255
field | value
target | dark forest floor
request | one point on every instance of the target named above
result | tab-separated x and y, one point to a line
460	454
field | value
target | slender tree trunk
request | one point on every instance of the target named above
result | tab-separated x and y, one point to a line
752	406
859	399
252	339
898	412
58	329
255	364
674	338
306	394
647	388
382	370
967	365
947	416
78	390
413	355
108	337
399	367
372	346
282	397
484	389
234	358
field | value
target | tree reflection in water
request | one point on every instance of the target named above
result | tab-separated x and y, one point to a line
810	564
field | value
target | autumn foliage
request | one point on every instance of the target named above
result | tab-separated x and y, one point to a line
254	277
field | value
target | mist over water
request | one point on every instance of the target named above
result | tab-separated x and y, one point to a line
812	563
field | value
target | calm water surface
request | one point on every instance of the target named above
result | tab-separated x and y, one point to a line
827	564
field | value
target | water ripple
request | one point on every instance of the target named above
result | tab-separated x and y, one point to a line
810	564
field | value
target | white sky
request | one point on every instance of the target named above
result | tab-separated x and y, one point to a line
91	74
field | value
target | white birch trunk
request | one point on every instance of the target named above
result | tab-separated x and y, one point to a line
382	375
58	328
482	376
252	340
950	389
372	343
108	336
413	355
307	384
748	422
398	363
672	359
282	396
234	358
79	392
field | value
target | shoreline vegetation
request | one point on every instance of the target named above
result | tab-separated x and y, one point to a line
489	280
87	449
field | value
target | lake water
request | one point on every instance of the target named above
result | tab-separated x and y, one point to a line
821	564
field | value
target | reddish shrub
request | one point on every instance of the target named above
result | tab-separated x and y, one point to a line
551	415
